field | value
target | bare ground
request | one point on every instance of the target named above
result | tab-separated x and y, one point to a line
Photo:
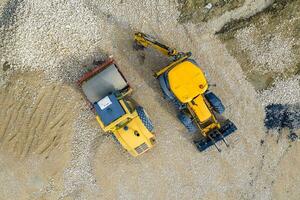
83	163
36	127
267	45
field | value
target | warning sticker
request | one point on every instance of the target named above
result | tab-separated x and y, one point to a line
105	102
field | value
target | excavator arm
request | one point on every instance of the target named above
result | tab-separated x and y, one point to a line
143	40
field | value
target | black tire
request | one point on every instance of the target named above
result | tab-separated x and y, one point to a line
215	102
164	87
178	105
145	119
187	122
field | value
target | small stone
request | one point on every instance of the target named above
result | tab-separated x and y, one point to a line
6	66
209	6
293	137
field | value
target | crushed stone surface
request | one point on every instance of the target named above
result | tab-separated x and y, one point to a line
272	53
283	92
79	175
57	37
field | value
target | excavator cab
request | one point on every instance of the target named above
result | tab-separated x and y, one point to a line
184	84
187	81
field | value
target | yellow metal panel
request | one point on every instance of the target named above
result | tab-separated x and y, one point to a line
100	122
200	108
134	135
163	70
187	81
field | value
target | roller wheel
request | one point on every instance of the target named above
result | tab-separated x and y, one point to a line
115	139
187	122
145	118
215	102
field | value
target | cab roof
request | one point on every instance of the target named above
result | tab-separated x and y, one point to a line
186	81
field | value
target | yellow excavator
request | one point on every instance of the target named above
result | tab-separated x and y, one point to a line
184	84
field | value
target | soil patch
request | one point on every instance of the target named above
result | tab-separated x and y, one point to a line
267	44
202	10
36	117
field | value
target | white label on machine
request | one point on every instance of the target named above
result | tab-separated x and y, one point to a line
103	103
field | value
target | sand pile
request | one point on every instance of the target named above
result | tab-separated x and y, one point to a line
36	134
79	175
283	92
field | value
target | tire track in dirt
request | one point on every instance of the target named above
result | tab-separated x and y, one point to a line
35	119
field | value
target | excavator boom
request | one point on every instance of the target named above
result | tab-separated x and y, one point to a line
143	40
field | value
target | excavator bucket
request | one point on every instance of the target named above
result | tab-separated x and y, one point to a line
215	136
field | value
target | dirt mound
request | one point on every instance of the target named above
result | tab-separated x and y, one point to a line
36	118
57	38
267	44
202	10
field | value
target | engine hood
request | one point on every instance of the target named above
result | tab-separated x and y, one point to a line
186	81
133	135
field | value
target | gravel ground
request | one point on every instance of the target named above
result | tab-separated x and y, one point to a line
272	53
59	37
283	92
79	174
